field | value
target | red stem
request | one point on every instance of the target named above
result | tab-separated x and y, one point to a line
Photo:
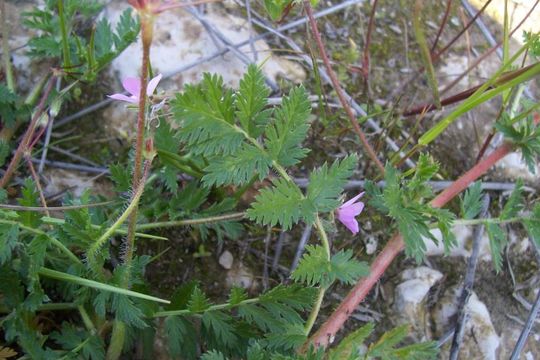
365	64
443	24
333	78
326	333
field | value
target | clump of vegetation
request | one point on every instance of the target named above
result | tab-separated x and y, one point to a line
226	141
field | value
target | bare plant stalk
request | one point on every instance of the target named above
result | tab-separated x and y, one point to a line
443	24
147	22
25	142
8	70
346	106
326	333
365	64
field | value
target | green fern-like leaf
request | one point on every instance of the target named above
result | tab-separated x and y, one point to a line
181	336
283	203
472	201
206	116
218	326
497	242
326	183
239	168
292	337
251	101
348	347
198	301
316	269
9	234
533	225
127	312
514	203
285	135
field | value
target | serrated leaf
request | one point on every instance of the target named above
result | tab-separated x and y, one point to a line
29	197
472	201
283	203
285	135
250	101
9	234
292	337
315	268
497	242
219	325
206	117
239	168
426	168
127	312
198	301
181	337
237	295
514	203
533	225
348	347
326	183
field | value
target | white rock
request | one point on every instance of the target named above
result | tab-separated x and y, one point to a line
410	296
512	166
480	340
180	39
239	275
226	260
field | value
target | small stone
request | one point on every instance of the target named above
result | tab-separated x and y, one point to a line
410	297
226	260
395	29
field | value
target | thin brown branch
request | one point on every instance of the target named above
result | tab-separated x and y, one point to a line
443	24
337	87
365	63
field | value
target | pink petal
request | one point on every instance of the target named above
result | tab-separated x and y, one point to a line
352	210
350	223
132	85
152	84
122	97
351	201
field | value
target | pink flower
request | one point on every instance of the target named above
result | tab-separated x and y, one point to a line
347	212
133	86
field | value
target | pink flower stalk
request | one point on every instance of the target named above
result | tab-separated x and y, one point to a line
133	86
347	212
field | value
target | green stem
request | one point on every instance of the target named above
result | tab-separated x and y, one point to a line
63	30
86	319
206	220
322	290
96	246
185	312
8	70
468	222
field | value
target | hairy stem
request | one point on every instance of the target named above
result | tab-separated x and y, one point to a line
328	330
337	87
206	220
322	290
147	22
98	244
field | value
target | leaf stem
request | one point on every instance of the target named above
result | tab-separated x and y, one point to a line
322	289
206	220
185	312
63	30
